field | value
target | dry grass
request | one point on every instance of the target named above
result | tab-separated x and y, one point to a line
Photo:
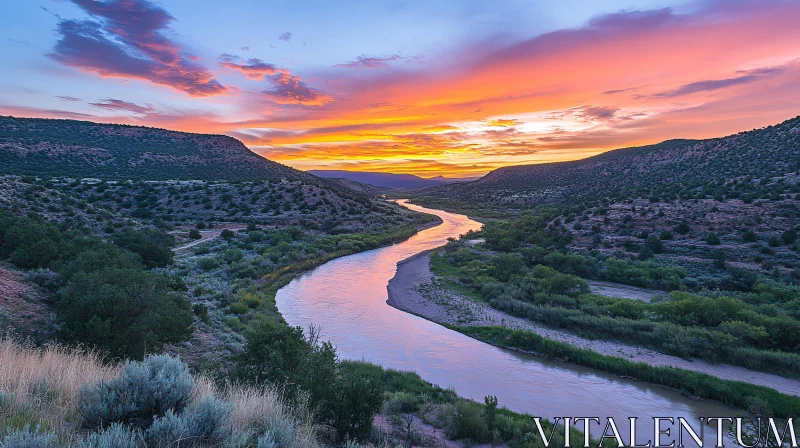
44	383
40	386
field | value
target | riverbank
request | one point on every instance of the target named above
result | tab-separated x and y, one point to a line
414	289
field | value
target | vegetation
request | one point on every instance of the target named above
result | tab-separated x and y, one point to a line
528	267
738	394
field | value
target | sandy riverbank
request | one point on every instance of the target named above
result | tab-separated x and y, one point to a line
413	289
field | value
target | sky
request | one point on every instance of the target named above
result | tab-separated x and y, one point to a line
433	87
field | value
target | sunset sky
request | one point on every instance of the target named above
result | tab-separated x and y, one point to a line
453	88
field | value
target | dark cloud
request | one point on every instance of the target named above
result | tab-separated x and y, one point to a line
67	98
364	61
125	39
119	105
287	36
245	48
290	89
745	77
252	68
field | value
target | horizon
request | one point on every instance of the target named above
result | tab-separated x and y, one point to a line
428	89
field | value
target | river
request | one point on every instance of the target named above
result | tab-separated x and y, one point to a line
346	297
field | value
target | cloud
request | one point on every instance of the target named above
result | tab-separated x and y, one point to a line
245	48
287	36
364	61
119	105
252	68
503	122
67	98
290	89
125	39
746	77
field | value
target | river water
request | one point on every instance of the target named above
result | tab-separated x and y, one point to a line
346	297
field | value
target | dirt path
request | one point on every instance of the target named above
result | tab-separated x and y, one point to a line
415	290
206	235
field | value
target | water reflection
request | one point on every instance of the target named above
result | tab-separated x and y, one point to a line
347	298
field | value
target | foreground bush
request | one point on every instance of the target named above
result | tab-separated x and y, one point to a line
55	392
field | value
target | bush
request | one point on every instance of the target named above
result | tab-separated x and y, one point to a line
29	438
666	235
207	263
201	311
115	436
153	245
194	234
712	239
124	311
203	426
227	234
749	236
143	391
358	397
682	228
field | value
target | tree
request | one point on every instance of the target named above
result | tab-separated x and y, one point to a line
712	239
358	397
749	236
153	245
124	311
682	228
227	234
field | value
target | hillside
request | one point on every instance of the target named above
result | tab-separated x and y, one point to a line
386	180
68	148
747	165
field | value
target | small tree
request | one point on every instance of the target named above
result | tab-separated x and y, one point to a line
712	239
227	234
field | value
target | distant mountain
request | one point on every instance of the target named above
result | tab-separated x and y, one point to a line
68	148
740	165
386	180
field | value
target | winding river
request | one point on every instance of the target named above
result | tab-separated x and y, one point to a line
347	298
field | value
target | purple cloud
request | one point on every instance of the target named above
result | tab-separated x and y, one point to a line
67	98
290	89
746	77
125	39
252	68
119	105
287	36
364	61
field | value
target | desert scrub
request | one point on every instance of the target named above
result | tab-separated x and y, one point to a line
155	401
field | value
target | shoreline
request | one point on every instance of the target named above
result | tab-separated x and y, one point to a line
413	290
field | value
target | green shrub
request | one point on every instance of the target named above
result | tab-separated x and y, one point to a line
238	308
143	391
227	234
712	239
201	311
194	234
207	263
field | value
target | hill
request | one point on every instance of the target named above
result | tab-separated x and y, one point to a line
69	148
747	165
386	180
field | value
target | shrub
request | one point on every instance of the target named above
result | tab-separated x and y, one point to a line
153	245
749	236
666	235
201	311
207	263
682	228
31	437
238	308
194	234
358	396
206	425
712	239
124	311
227	234
143	391
115	436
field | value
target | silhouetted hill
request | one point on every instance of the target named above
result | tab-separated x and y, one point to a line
68	148
385	180
749	164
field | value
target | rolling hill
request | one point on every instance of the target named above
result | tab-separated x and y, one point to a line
739	165
386	180
69	148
